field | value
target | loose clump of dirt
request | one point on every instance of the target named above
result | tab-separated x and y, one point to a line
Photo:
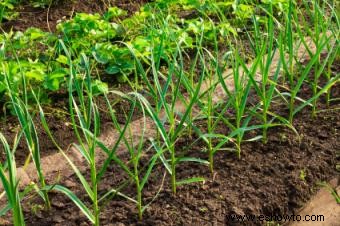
47	18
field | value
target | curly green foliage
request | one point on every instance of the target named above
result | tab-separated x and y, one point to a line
7	9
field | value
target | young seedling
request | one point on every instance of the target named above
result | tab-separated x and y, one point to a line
266	52
324	35
164	114
29	130
10	182
295	87
87	114
138	175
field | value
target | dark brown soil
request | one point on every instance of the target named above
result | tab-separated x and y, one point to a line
46	19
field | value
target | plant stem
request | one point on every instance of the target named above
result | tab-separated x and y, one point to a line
316	67
138	188
238	146
291	109
210	148
328	95
173	169
139	200
211	157
45	194
238	125
95	193
265	127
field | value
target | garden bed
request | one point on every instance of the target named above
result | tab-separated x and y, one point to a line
211	122
273	179
276	178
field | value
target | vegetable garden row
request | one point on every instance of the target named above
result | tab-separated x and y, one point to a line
212	73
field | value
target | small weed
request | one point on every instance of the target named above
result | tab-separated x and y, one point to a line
303	175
